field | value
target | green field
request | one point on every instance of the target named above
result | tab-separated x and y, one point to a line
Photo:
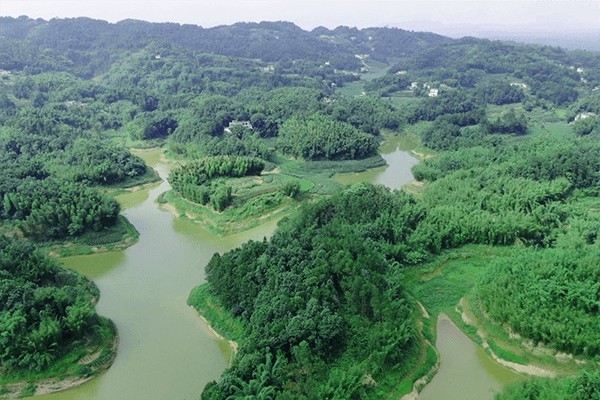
351	89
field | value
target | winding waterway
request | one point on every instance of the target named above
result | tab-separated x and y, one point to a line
466	372
166	351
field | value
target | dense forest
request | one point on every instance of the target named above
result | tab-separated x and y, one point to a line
510	134
45	309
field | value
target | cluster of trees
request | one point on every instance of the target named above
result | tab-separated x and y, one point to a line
510	122
98	163
388	84
198	180
499	93
43	308
573	159
585	386
320	137
50	163
550	81
367	114
319	300
59	208
472	128
511	193
586	126
550	296
452	102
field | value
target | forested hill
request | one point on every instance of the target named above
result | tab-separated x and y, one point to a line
87	47
325	305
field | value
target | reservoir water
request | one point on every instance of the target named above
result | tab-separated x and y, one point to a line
466	372
166	351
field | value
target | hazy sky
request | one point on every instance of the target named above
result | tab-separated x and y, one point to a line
309	14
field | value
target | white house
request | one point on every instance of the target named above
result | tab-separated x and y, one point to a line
520	84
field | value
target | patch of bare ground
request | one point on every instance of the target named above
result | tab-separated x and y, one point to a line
422	156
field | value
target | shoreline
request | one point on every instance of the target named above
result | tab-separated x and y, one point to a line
52	385
423	381
528	369
214	334
229	229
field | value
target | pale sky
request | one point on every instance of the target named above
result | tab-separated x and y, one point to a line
308	14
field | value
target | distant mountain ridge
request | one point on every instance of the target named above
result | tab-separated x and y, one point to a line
269	41
87	47
566	36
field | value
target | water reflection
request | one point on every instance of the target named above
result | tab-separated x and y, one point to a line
394	175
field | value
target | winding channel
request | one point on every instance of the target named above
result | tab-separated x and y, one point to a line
166	352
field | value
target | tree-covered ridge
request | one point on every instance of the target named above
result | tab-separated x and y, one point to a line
380	43
496	72
320	293
87	47
44	309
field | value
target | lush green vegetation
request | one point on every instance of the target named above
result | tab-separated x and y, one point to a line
549	296
586	386
320	292
321	310
319	137
51	162
44	309
197	181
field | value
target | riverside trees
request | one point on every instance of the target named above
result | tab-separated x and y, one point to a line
198	180
43	309
320	292
330	311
